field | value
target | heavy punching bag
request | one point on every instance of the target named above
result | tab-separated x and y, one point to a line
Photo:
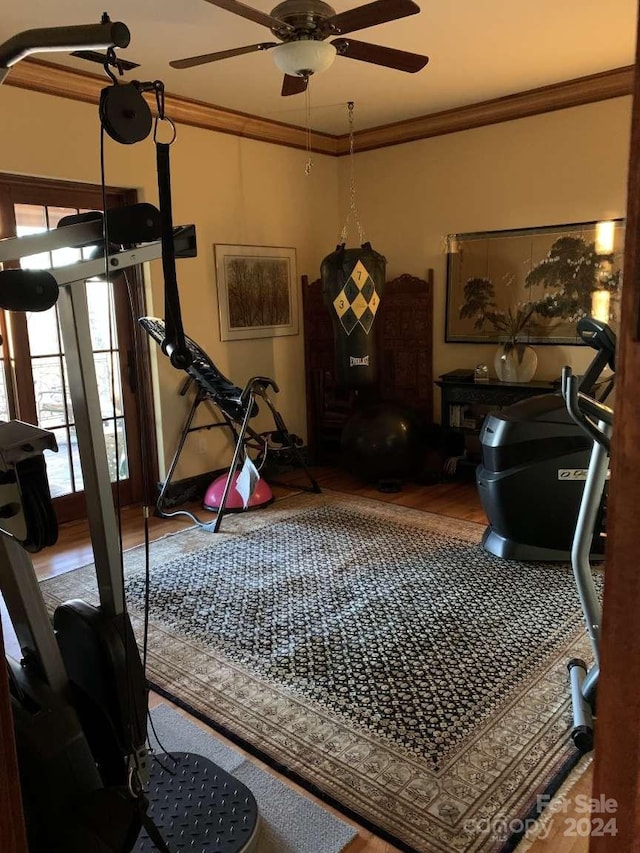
352	285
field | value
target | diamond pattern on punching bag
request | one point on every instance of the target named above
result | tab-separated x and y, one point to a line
345	313
366	321
368	289
358	300
350	289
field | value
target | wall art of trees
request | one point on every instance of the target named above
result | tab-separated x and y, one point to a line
258	291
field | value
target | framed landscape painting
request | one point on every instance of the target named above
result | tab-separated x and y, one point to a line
535	283
257	294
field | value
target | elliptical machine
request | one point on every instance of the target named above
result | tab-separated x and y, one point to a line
596	422
534	460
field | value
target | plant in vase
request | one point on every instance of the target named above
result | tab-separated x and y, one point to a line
515	360
573	270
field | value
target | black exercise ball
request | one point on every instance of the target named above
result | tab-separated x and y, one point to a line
380	444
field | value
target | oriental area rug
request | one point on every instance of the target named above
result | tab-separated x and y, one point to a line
375	654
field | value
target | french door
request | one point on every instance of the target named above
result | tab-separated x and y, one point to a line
34	386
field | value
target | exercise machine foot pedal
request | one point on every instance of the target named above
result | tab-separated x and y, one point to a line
582	737
582	732
198	806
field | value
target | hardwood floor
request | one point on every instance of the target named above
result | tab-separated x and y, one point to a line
456	499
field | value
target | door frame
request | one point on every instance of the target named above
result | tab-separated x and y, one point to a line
617	754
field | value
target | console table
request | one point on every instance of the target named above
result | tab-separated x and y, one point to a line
464	404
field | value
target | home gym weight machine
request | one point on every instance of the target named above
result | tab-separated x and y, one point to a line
79	695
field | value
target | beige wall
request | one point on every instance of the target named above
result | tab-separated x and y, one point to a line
235	191
565	166
560	167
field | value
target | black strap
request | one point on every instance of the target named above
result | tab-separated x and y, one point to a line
152	830
174	343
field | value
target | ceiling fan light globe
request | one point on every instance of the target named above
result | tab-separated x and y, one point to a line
304	57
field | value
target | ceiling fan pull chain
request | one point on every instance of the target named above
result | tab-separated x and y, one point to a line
307	106
353	207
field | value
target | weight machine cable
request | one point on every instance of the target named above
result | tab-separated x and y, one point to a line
105	234
143	416
142	413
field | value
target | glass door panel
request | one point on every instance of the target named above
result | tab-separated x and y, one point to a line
53	408
48	384
60	465
76	467
44	332
116	442
101	315
109	387
32	219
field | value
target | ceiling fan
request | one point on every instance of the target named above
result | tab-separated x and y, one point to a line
302	27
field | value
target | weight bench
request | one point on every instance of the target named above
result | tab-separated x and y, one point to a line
237	407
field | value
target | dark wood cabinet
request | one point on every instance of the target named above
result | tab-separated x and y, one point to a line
464	404
403	338
486	395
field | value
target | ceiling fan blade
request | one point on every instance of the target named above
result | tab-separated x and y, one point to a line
252	14
192	61
378	55
294	85
378	12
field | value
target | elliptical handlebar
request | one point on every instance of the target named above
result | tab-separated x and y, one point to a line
600	337
585	411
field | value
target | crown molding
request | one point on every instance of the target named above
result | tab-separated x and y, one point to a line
58	80
559	96
51	79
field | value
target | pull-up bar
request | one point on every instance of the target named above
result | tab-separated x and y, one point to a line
62	39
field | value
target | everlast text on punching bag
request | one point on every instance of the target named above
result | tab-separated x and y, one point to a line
352	286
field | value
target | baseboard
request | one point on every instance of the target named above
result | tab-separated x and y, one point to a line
189	489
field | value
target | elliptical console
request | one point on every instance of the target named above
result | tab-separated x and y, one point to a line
534	462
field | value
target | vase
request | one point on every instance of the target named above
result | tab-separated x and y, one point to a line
515	363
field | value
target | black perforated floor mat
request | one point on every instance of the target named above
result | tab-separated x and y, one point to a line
197	806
